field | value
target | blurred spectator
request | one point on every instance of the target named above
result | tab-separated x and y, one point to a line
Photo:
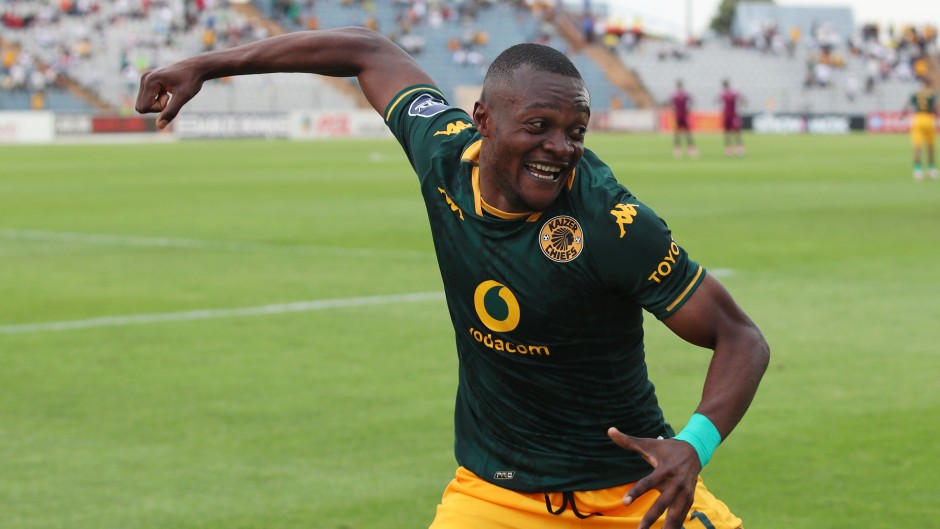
459	57
412	43
10	54
852	88
587	27
794	42
37	100
474	58
921	66
208	38
822	73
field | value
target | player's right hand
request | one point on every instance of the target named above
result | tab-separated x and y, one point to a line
166	90
675	472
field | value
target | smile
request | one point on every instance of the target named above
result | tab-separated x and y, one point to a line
543	171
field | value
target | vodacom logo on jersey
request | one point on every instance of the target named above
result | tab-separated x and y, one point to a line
505	320
499	311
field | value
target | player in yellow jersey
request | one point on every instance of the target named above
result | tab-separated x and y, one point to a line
924	128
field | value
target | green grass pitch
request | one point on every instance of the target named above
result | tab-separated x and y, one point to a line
339	416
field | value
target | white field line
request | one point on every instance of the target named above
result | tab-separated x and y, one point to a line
207	314
202	244
721	272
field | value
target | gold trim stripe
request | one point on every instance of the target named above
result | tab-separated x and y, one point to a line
686	291
472	152
503	214
479	205
477	196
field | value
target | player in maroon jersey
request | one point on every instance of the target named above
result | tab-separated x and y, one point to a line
681	102
730	120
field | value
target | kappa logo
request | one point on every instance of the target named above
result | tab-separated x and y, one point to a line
624	214
561	239
453	128
426	106
453	207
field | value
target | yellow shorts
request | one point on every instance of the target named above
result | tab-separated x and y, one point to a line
923	129
471	503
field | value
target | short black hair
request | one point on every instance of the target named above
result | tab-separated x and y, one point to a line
536	56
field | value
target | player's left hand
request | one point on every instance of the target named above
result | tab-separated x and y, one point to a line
675	472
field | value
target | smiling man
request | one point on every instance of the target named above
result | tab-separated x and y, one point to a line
548	264
533	117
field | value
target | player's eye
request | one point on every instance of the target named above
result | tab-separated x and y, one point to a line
538	125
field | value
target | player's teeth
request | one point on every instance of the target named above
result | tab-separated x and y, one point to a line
551	170
546	168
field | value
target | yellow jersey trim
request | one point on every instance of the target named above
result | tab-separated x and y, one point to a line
479	205
472	155
496	212
477	197
686	291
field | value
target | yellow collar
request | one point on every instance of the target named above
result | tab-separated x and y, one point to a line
472	155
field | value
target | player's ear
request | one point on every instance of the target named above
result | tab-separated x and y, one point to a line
481	118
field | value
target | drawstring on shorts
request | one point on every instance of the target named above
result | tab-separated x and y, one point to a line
567	500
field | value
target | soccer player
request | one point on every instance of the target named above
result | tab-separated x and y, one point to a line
547	264
681	102
924	128
730	121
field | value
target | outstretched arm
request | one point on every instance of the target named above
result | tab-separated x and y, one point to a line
382	68
709	319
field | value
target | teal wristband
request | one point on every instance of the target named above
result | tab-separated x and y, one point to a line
702	435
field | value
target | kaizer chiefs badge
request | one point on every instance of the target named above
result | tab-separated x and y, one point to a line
561	239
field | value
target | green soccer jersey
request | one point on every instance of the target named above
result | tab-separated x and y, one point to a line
924	101
547	309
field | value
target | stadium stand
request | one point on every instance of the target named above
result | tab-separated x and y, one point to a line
455	41
95	53
87	55
789	59
27	83
100	49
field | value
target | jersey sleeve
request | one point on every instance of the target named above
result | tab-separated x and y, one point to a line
422	121
644	261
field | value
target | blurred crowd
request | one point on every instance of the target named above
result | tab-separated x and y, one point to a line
412	18
95	42
92	42
895	53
